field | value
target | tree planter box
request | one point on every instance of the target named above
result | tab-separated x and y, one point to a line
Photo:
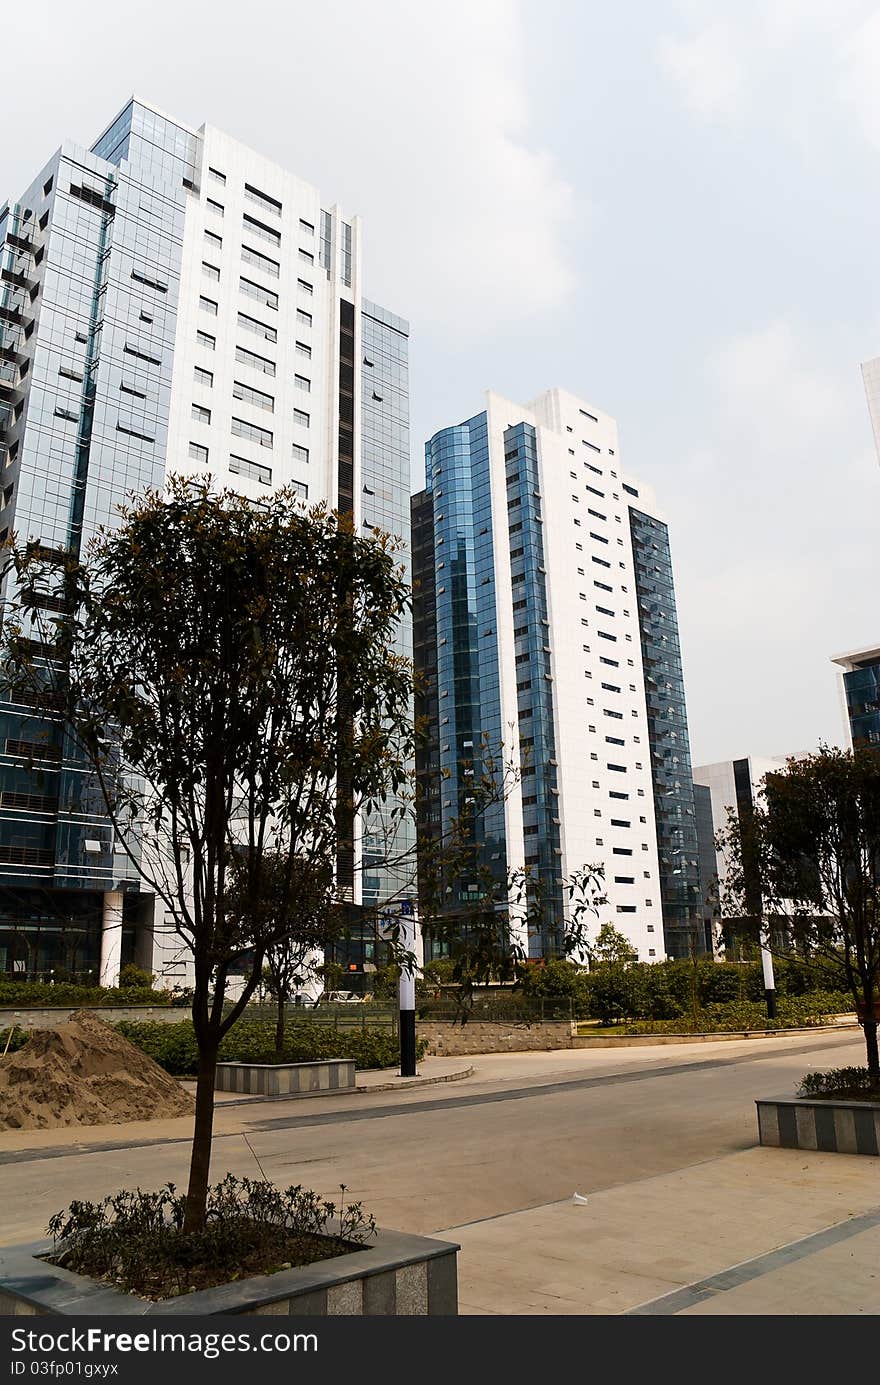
838	1127
286	1079
395	1275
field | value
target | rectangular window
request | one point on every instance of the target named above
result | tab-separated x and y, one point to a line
263	262
198	452
302	418
242	429
240	466
260	231
630	490
306	256
208	305
601	562
201	414
213	239
156	284
598	537
301	489
134	432
604	611
260	329
217	176
262	200
307	227
302	349
251	358
618	769
305	287
302	383
210	271
252	396
216	207
603	635
300	454
303	318
203	377
143	355
257	292
205	339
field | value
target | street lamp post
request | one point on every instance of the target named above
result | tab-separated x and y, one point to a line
769	981
407	991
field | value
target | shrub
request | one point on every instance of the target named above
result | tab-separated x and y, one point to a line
132	976
792	1012
835	1080
136	1240
174	1048
65	993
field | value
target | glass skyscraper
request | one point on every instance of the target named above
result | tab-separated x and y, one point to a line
546	633
169	301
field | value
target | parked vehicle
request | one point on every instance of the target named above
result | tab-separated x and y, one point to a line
340	998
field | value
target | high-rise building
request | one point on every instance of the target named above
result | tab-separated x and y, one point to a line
728	785
170	300
546	631
871	378
859	685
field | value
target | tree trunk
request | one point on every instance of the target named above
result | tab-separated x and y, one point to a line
870	1030
279	1025
203	1134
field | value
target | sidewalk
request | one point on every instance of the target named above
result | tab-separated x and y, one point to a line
765	1231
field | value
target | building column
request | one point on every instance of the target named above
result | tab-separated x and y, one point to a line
111	938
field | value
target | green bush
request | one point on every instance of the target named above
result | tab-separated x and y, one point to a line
793	1012
132	976
66	993
173	1046
835	1080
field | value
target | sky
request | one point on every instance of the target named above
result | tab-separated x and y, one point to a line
670	209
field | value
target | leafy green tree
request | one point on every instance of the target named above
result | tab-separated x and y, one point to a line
804	873
610	947
224	669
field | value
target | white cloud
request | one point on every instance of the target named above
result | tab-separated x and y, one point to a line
709	71
859	76
416	118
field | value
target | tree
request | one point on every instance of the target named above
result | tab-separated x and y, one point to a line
299	910
612	948
224	669
804	872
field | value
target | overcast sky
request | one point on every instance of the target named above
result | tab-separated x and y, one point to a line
670	209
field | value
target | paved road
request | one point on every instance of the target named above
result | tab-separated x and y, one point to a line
526	1130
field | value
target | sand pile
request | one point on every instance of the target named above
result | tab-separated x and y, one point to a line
84	1073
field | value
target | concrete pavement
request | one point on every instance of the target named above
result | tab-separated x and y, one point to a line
662	1141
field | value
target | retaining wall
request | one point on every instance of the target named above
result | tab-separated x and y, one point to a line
479	1036
837	1127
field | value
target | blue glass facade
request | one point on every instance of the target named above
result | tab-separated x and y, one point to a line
862	690
385	505
457	655
678	848
91	262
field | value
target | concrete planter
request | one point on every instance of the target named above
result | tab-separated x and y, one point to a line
286	1079
838	1127
394	1276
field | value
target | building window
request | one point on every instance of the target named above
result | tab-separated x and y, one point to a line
242	429
258	398
306	256
253	257
303	350
261	231
198	452
305	287
201	414
303	318
240	466
203	377
213	239
216	176
210	271
216	207
208	305
302	418
300	454
262	200
257	292
302	383
205	339
245	357
260	329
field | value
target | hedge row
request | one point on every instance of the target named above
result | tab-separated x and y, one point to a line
40	993
173	1046
793	1012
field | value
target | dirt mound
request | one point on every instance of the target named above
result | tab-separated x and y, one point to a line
84	1073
